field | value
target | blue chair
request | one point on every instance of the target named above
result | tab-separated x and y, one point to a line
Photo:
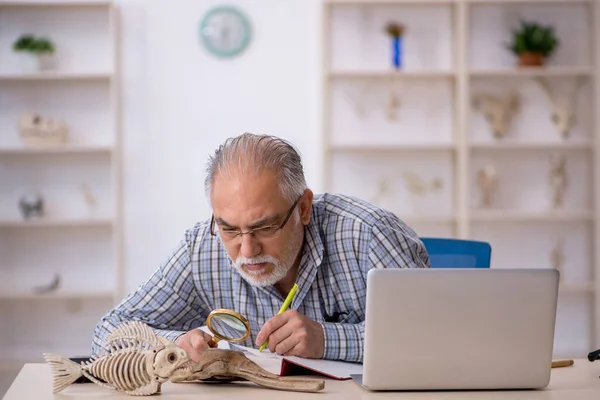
457	253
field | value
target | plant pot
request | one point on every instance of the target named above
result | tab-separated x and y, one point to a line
531	59
31	63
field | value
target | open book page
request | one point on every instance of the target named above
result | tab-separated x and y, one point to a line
269	361
279	365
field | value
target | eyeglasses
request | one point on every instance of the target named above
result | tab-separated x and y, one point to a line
264	232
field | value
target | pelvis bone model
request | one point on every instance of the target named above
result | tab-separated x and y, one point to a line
36	129
498	110
138	362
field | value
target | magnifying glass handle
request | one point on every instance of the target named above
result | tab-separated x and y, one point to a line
213	342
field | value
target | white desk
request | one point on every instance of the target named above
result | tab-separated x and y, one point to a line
578	382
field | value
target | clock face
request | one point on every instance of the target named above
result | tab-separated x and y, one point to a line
225	31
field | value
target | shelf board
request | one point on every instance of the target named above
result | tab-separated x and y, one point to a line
566	145
389	74
520	216
370	147
65	3
530	72
56	223
56	76
11	294
55	149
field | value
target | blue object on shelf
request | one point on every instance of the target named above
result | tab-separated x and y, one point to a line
397	51
457	253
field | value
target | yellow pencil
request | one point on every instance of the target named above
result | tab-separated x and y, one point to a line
284	306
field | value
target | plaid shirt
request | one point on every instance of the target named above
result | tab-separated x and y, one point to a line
344	239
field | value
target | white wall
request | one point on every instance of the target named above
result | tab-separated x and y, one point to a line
180	103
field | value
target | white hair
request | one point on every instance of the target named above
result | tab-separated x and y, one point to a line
250	153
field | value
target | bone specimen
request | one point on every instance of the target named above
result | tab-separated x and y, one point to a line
419	187
135	361
563	114
36	129
487	179
558	179
497	110
230	365
31	205
51	287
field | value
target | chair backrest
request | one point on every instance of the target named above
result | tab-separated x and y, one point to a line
457	253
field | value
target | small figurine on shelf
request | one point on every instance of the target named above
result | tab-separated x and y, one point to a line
396	32
383	189
36	129
562	115
36	52
558	179
392	104
50	287
89	198
31	206
498	110
418	186
533	43
487	179
557	255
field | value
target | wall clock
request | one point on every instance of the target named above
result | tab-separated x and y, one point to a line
225	31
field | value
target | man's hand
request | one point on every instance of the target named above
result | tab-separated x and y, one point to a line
195	342
293	334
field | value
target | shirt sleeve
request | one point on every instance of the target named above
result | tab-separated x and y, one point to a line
167	302
394	244
344	341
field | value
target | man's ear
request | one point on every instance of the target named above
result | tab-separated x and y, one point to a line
306	206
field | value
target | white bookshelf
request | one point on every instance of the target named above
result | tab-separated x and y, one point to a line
437	135
78	240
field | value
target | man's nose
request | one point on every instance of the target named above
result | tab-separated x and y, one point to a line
250	246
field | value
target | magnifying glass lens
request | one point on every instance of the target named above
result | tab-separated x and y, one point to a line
228	327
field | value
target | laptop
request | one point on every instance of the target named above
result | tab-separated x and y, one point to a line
459	329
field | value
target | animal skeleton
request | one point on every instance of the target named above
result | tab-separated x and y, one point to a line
497	110
563	115
136	361
230	365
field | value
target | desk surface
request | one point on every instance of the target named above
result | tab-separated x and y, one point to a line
579	381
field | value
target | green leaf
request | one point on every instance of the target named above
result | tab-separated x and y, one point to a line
533	37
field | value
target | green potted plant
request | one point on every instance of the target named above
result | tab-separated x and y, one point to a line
533	43
36	52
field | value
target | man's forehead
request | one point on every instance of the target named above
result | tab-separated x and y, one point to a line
259	193
248	184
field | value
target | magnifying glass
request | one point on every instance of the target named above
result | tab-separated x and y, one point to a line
227	325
